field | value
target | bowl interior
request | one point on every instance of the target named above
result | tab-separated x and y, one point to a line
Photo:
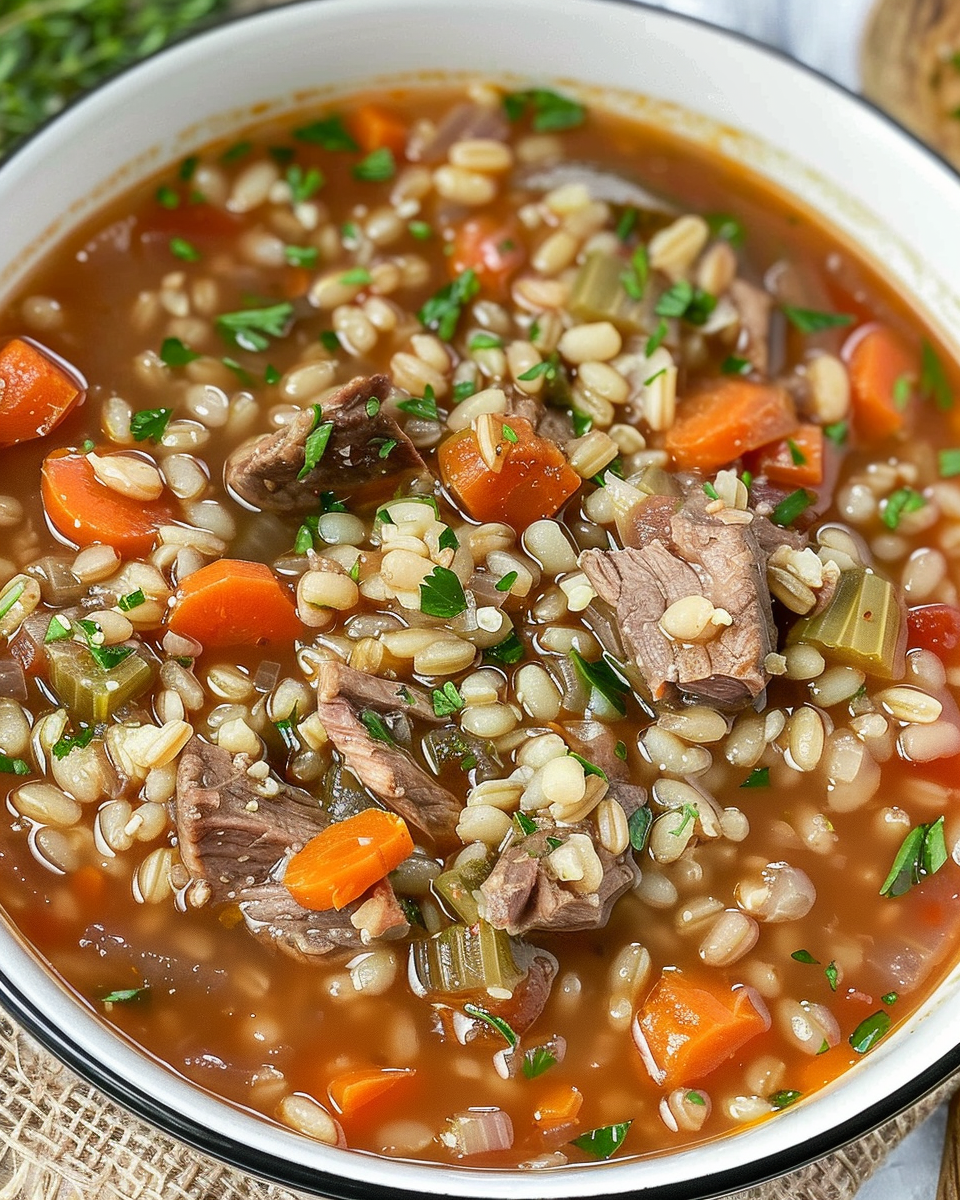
846	162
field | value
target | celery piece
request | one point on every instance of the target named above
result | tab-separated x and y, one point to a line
862	626
465	958
598	294
456	888
90	693
655	481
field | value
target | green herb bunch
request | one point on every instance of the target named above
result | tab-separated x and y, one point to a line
52	49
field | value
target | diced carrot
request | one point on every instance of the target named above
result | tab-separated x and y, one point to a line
36	393
559	1106
530	478
492	247
686	1029
726	419
374	126
823	1069
354	1089
883	370
232	602
346	858
201	223
89	885
795	461
83	510
296	281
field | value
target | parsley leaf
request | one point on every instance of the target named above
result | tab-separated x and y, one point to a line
441	594
376	727
536	1060
922	852
949	463
509	651
783	1099
316	443
734	365
251	328
903	500
507	582
442	311
634	278
423	407
604	1142
124	995
727	228
175	353
655	340
758	777
804	956
182	249
809	320
420	230
869	1032
446	700
837	432
684	300
329	132
13	766
377	167
787	511
638	825
497	1023
934	384
600	677
304	184
301	256
131	600
552	113
67	742
149	423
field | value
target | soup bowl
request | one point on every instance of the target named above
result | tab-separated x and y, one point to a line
892	199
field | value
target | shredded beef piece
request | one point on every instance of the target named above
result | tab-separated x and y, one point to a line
520	893
597	743
335	679
692	553
754	306
601	183
234	837
462	121
389	773
265	472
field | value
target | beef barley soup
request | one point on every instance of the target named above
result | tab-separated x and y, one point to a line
479	599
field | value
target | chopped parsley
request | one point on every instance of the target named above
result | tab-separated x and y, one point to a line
252	328
58	629
131	600
150	423
442	311
181	248
446	700
581	422
448	540
329	341
551	112
240	371
787	511
166	196
600	677
420	230
106	657
922	852
832	974
271	375
377	167
627	223
69	742
804	956
11	597
372	407
604	1142
759	777
441	594
536	1060
654	377
376	727
386	446
464	390
124	995
655	340
329	132
710	491
684	300
889	998
869	1032
727	228
809	320
301	256
356	275
546	368
509	434
175	353
13	766
508	652
784	1099
485	341
188	167
837	432
903	500
316	442
620	750
237	151
288	735
734	365
634	278
902	387
303	184
507	582
695	1098
934	384
688	814
949	463
497	1023
638	825
525	825
797	456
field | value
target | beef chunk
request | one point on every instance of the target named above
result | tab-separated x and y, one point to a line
265	473
462	121
703	554
370	691
754	306
597	743
389	773
521	893
602	184
233	836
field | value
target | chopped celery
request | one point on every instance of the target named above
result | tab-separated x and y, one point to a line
862	625
598	294
465	958
456	887
89	692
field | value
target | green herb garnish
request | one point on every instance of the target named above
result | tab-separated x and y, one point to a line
525	825
441	594
536	1060
604	1142
552	113
922	852
446	700
832	974
638	825
507	652
131	600
181	248
804	956
420	230
316	442
376	727
934	384
303	184
949	463
174	353
889	998
727	228
124	995
442	311
758	777
600	677
589	768
626	223
684	300
13	766
837	432
69	742
655	340
301	256
329	132
464	390
869	1032
150	423
791	507
903	500
809	320
252	328
634	277
485	341
356	275
58	629
497	1023
377	167
784	1099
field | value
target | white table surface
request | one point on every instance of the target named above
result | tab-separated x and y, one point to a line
825	34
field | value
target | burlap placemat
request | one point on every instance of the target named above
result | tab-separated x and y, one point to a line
61	1139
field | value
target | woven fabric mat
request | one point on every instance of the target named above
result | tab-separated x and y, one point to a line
61	1139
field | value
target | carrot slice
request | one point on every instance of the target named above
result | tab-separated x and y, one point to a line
492	248
796	461
35	392
346	858
354	1089
374	126
559	1106
727	419
232	602
685	1030
83	510
530	478
883	370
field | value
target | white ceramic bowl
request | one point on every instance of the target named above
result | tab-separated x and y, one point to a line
897	201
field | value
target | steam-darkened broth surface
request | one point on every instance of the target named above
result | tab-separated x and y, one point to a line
480	587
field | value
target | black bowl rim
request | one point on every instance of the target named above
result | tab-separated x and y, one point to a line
290	1174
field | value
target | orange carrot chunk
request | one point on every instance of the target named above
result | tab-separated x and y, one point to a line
346	858
232	602
504	472
883	372
559	1106
83	510
685	1030
728	418
795	461
354	1089
35	393
492	248
374	126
